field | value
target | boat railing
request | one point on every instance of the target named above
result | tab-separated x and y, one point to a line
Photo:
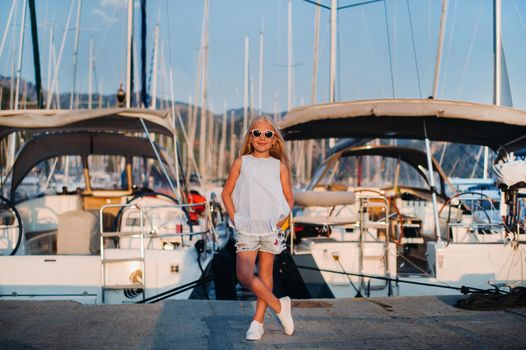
182	228
477	219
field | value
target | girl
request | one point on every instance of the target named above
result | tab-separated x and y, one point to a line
258	198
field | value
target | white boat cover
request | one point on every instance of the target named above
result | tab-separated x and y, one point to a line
511	173
325	221
323	198
107	119
453	121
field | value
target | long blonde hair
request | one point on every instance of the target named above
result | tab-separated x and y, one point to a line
278	149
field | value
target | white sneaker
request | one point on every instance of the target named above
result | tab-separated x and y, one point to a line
255	331
285	316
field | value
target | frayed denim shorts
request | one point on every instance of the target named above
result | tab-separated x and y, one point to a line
273	242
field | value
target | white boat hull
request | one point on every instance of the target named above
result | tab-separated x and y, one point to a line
79	277
473	265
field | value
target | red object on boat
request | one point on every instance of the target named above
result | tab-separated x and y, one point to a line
195	211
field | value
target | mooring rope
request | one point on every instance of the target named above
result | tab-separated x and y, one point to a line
462	289
175	291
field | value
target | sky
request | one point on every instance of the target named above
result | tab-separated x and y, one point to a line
368	36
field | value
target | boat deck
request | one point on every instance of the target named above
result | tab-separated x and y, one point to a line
376	323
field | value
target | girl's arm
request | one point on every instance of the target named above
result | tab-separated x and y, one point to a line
284	174
228	188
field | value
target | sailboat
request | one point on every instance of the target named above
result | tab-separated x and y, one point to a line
110	221
364	237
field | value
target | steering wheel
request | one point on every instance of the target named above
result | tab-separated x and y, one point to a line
465	206
10	220
391	204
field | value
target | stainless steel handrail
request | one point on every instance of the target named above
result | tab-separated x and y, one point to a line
104	261
363	225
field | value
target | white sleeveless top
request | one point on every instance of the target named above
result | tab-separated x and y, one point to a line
258	196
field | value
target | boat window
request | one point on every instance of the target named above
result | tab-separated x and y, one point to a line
55	175
374	171
464	161
147	173
107	172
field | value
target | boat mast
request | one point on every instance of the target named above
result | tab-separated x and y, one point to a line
439	48
20	51
129	53
232	154
245	91
54	88
50	59
191	132
90	73
427	142
12	136
315	54
212	145
144	93
135	75
75	55
498	57
176	151
497	23
204	110
153	104
332	69
251	93
222	145
12	58
260	82
289	58
296	149
200	84
310	143
36	52
192	123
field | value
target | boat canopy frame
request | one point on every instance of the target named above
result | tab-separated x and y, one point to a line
415	158
48	146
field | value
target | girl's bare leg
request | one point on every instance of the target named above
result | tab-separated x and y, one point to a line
245	261
266	267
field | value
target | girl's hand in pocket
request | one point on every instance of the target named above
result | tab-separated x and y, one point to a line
282	222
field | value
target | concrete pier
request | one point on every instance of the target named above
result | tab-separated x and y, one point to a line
376	323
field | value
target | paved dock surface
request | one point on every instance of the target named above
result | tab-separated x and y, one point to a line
376	323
